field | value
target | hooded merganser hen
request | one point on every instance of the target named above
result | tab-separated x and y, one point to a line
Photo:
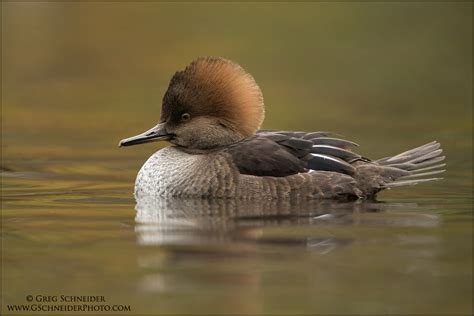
212	112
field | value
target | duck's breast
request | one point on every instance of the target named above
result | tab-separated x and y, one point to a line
172	172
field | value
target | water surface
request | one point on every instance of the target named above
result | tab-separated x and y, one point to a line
66	231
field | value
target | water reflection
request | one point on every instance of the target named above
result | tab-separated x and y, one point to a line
200	221
261	248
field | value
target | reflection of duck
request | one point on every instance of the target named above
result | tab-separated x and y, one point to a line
176	221
196	221
212	112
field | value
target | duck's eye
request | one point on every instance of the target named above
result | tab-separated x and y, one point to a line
185	117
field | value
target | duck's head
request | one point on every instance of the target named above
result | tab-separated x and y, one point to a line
213	102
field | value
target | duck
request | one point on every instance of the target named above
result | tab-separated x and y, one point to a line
211	115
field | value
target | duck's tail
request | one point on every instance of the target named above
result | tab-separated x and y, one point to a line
421	164
408	168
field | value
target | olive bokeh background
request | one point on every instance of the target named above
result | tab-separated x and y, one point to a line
79	76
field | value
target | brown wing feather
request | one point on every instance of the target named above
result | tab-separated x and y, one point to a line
282	153
261	156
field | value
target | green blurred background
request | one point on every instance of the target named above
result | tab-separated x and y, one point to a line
79	76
